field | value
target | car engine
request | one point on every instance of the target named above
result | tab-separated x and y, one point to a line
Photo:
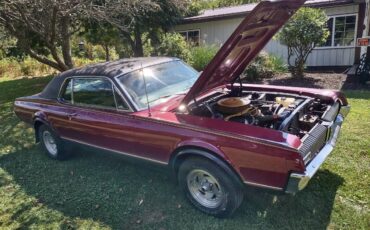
289	113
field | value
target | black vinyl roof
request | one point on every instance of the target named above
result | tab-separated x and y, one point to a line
106	69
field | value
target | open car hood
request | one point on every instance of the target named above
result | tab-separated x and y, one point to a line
243	46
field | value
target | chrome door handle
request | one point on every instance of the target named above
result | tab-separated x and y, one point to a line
72	115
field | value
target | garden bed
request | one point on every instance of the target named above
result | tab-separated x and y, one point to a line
315	80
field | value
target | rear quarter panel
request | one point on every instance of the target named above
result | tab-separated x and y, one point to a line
26	109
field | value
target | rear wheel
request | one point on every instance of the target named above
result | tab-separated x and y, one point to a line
209	188
51	144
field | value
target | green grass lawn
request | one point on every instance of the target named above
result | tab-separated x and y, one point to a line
101	190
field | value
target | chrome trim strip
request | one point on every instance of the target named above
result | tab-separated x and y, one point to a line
299	181
263	186
114	151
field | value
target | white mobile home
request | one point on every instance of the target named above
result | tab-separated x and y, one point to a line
346	23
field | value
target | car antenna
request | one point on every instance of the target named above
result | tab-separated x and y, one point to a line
146	92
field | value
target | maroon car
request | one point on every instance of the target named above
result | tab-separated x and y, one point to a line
216	133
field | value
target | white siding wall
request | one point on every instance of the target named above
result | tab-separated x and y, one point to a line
217	32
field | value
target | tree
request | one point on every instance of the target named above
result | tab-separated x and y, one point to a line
134	18
102	34
174	45
43	28
306	30
7	45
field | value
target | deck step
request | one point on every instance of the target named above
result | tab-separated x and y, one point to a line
352	71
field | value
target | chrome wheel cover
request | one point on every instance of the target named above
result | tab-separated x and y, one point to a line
50	143
205	188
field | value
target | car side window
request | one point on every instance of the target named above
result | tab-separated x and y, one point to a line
92	92
67	95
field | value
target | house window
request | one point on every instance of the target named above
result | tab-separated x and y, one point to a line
191	36
342	31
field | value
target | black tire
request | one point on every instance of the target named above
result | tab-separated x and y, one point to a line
61	152
232	192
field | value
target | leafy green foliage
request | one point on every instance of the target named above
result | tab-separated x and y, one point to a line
264	66
102	34
12	68
306	30
8	45
174	45
202	55
135	18
43	28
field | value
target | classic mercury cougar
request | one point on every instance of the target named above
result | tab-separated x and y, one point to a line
216	133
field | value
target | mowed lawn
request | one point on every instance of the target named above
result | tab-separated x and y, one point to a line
96	190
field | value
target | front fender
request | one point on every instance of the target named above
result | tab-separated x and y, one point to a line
202	145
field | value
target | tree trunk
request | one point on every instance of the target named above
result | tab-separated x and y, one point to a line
66	42
45	61
299	68
138	44
107	52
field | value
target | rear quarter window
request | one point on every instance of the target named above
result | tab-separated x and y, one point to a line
67	92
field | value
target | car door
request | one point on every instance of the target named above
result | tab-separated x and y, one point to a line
99	116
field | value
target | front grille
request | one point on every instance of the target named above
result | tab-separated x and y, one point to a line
332	113
313	142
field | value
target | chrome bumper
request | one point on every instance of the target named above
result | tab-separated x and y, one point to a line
344	111
298	182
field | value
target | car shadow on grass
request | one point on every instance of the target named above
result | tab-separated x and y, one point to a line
127	194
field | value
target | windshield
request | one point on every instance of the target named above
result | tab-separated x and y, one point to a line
162	82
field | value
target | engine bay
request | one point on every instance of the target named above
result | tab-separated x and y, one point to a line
293	114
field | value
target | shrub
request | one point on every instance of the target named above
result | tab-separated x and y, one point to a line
264	66
306	30
174	45
277	64
79	62
13	68
9	67
202	55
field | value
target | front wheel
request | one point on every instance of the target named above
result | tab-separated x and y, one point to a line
51	144
209	188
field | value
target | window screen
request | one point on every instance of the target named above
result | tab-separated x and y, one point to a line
191	36
194	37
342	31
345	28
